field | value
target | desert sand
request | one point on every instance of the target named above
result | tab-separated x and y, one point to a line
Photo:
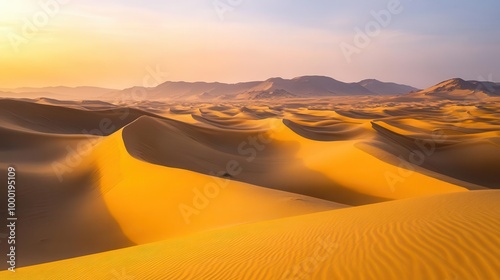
366	187
422	238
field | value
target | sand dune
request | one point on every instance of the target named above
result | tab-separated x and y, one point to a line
451	236
312	168
173	201
230	188
59	221
438	150
328	130
62	120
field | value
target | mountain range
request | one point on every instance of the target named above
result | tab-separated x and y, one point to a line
273	88
460	89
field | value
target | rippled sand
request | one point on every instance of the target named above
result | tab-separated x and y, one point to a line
347	188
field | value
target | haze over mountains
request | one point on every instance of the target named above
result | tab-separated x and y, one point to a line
273	88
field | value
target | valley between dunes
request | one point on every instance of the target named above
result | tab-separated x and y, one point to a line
353	188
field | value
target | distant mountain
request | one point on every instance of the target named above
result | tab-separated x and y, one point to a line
383	88
311	86
460	89
66	90
199	90
60	92
273	88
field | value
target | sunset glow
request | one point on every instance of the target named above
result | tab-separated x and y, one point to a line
110	43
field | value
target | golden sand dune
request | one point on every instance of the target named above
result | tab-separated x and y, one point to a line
452	236
241	121
172	201
78	201
85	104
95	177
328	130
439	149
298	164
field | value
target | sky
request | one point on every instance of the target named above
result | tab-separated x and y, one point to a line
118	44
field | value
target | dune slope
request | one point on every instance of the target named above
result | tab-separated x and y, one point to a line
152	202
451	236
241	191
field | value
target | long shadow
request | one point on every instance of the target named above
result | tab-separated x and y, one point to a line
456	160
62	120
56	220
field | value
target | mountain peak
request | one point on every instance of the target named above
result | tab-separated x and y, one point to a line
457	88
454	84
369	81
313	77
384	88
275	79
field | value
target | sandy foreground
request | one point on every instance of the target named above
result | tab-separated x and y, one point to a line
354	188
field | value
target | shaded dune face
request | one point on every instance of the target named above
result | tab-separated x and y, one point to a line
328	130
30	116
442	134
60	220
470	154
57	216
268	163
